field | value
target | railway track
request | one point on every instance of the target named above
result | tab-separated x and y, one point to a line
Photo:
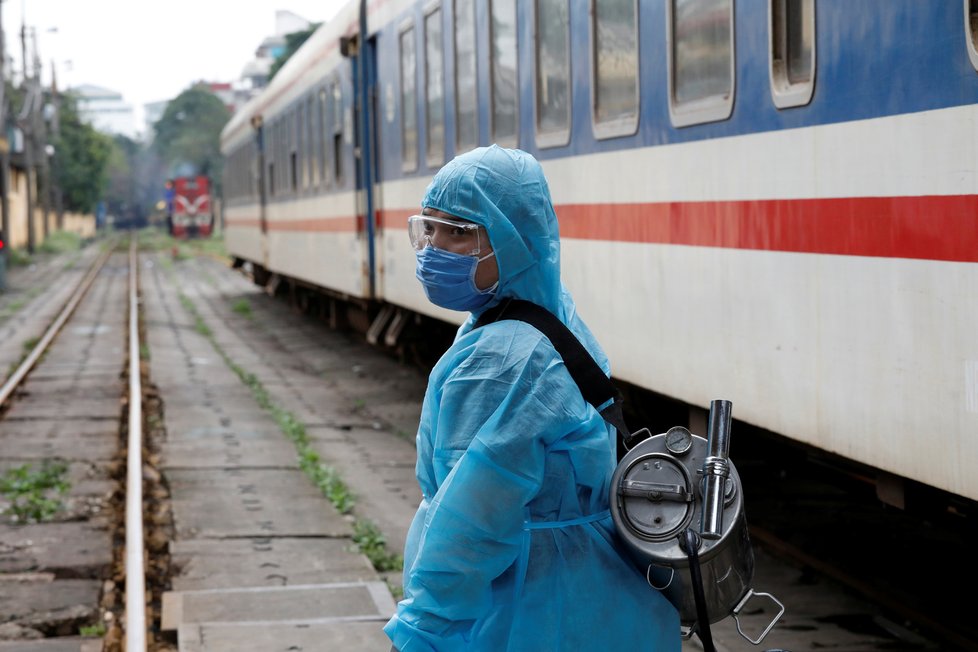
60	454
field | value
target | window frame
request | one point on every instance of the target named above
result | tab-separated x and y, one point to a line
971	30
513	141
301	144
271	158
459	145
620	126
312	155
434	159
405	28
338	131
557	137
714	108
292	136
283	156
324	179
784	93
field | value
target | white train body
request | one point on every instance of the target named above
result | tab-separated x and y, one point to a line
810	254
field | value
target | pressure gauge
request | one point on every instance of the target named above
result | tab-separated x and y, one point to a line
678	440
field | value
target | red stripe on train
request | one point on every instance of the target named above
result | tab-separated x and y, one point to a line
941	227
934	228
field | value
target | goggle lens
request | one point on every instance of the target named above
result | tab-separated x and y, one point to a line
448	235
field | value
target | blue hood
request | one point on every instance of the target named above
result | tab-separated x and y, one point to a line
505	191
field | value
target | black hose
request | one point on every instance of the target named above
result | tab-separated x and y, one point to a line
691	539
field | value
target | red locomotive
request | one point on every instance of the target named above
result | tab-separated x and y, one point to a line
188	207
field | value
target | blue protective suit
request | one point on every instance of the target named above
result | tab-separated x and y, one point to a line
513	547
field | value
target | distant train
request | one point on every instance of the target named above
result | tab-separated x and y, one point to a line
770	201
188	207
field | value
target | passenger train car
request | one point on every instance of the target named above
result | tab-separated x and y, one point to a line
773	202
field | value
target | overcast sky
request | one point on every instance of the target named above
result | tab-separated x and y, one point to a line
146	50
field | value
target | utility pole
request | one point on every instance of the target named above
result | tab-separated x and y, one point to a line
24	121
39	129
55	134
4	162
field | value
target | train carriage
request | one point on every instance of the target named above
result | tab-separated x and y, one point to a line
292	207
774	201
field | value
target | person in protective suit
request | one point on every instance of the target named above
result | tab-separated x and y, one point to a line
512	547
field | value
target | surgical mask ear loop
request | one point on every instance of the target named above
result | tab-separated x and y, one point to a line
492	288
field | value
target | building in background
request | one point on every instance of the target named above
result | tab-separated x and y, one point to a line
254	75
106	111
226	93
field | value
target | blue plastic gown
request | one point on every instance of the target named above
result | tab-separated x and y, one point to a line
512	547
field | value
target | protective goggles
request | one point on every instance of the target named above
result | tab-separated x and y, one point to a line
456	236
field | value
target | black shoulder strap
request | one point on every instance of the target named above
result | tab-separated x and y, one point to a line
595	386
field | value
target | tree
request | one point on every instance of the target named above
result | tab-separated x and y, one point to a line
188	136
293	42
83	155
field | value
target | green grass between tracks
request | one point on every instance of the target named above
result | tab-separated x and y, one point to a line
367	538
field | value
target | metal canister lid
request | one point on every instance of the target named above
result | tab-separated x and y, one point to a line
655	496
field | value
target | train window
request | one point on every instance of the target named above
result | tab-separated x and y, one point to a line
283	158
308	146
264	160
301	144
312	140
270	145
293	143
272	132
310	135
337	133
505	82
466	93
251	176
792	40
321	128
701	60
266	179
277	155
280	156
553	115
434	89
614	87
409	108
971	29
242	171
256	173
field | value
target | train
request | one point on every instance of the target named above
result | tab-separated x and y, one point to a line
189	213
770	201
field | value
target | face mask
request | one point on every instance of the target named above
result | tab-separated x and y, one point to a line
449	279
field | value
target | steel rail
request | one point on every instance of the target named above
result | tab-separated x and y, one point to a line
24	368
135	571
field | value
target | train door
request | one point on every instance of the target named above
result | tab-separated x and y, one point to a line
362	52
259	126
